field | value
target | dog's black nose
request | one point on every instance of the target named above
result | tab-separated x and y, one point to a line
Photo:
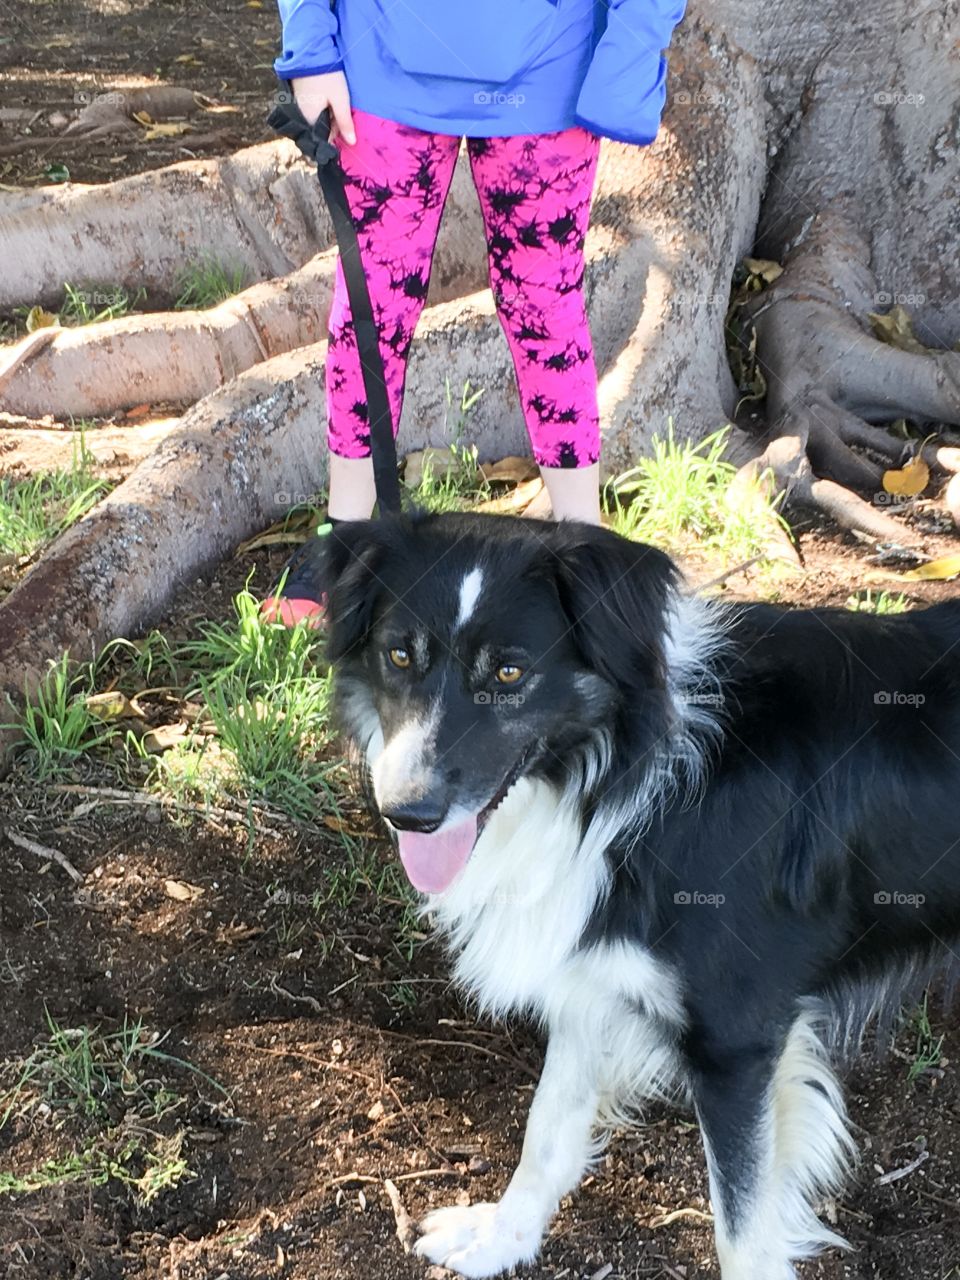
416	815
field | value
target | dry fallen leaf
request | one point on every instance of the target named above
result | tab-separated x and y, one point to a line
180	891
37	318
173	130
138	411
934	570
113	705
763	267
509	470
165	737
909	481
895	327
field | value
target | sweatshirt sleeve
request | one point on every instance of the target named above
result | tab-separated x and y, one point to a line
309	39
624	90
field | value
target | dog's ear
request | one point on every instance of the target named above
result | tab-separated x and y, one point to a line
348	570
616	594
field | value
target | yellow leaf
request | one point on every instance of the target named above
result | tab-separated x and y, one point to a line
143	117
934	570
896	329
113	705
188	59
37	318
909	481
166	131
181	891
767	271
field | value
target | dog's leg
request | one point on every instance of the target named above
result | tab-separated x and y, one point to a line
485	1239
775	1134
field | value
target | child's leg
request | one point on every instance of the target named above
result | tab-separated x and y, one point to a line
535	195
396	179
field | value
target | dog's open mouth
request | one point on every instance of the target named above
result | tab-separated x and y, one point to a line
432	862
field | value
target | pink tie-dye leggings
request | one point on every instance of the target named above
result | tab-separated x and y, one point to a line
535	195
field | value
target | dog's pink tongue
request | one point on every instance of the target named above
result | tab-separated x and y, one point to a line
432	862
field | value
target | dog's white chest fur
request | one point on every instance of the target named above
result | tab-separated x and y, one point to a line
515	920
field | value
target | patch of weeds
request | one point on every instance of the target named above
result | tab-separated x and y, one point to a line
107	1090
33	511
880	602
458	484
928	1047
267	699
205	283
680	491
89	304
57	724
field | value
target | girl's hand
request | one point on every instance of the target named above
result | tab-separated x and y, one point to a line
314	94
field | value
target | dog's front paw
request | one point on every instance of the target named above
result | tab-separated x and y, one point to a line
476	1240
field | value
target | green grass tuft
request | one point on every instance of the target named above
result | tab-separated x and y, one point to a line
57	725
207	282
680	492
34	511
881	602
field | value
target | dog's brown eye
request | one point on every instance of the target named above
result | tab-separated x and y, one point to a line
400	658
508	674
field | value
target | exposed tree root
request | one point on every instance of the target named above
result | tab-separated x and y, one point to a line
174	357
828	378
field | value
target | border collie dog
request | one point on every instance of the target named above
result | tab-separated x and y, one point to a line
705	846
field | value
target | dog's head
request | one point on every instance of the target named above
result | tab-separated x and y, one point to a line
471	651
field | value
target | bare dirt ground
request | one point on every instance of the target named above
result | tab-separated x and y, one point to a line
347	1058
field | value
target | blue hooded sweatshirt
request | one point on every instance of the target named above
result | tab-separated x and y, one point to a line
491	68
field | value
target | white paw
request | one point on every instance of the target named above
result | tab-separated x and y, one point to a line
475	1240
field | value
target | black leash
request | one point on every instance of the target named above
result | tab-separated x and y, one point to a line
314	141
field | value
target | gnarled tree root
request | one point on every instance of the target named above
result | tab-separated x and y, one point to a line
828	379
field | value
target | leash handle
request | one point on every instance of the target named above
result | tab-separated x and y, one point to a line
314	141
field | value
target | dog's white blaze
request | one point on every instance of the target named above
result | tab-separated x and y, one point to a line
804	1151
407	757
470	589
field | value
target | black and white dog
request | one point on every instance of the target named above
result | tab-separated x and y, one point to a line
704	846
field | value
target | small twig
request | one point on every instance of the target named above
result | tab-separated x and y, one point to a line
406	1227
722	577
45	852
115	795
276	988
896	1174
465	1044
676	1214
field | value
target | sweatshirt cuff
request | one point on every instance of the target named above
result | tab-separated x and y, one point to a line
285	72
602	131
